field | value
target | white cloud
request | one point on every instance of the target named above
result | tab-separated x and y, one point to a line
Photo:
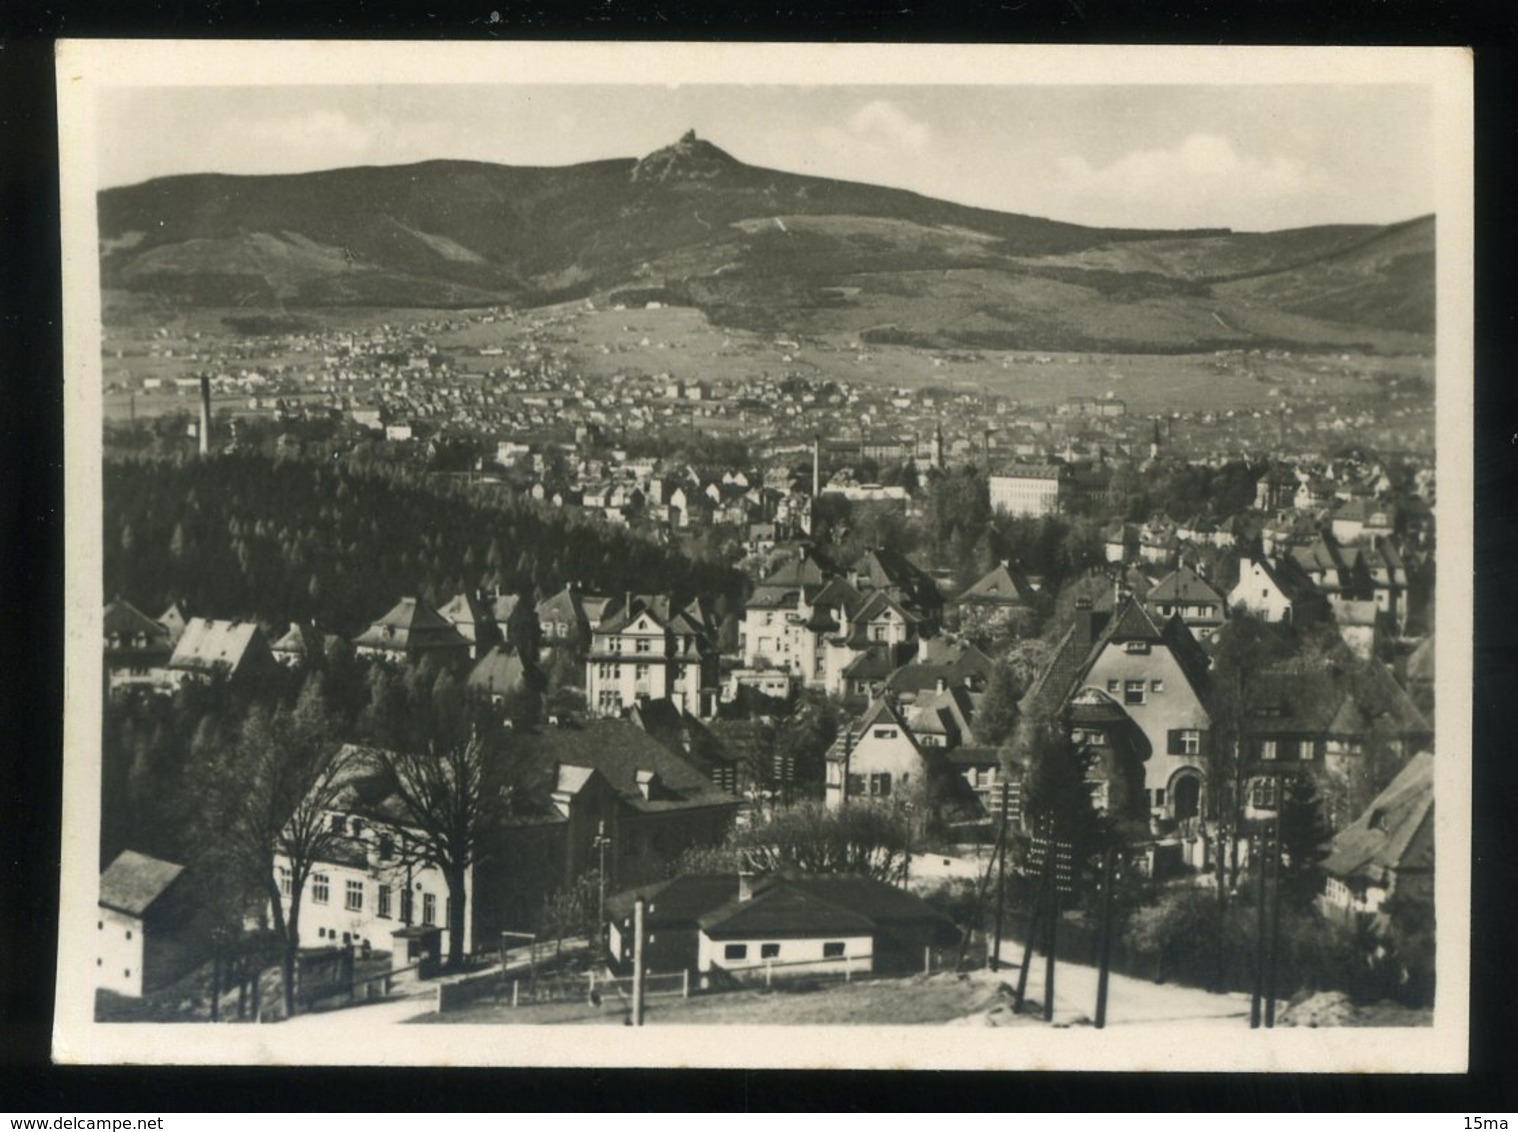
886	123
1201	180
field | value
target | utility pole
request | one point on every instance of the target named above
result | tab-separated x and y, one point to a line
1001	873
1275	928
1262	850
1034	924
601	842
637	987
1052	928
1105	960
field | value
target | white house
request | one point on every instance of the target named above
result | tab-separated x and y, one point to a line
140	942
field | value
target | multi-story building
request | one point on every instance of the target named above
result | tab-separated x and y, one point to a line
1155	677
1029	490
580	798
649	648
137	648
1186	594
410	631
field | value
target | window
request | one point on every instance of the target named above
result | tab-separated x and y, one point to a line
1133	692
1191	742
1263	793
1156	685
429	908
769	951
319	888
833	950
735	951
644	645
1268	750
1159	796
129	933
885	732
386	847
383	908
880	785
1166	610
353	896
407	906
1136	646
335	823
1114	687
641	673
284	881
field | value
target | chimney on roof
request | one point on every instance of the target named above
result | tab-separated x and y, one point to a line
1085	620
745	885
943	684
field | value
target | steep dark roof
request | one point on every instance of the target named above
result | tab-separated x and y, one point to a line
875	662
820	905
1000	587
1332	699
134	882
301	639
618	750
411	624
1185	586
126	620
809	568
1420	664
1045	698
679	901
661	608
1395	831
498	672
1131	623
875	899
885	569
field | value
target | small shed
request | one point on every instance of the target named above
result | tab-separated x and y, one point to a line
419	945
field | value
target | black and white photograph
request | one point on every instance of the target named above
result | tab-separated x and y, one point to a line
767	555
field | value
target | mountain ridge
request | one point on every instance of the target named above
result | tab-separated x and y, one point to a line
753	247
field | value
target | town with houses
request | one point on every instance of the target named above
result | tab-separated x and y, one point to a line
859	666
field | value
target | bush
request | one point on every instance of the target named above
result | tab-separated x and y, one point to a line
1312	953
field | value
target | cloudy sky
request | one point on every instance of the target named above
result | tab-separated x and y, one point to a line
1245	157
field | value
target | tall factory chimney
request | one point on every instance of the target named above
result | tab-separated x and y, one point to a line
205	415
816	467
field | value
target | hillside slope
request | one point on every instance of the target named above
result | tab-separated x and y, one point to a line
758	248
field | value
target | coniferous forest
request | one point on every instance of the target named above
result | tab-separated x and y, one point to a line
259	538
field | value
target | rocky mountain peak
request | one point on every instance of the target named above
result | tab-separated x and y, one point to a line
689	159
